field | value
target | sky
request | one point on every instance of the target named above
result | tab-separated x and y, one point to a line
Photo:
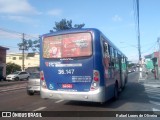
115	18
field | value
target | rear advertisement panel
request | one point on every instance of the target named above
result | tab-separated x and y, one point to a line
68	62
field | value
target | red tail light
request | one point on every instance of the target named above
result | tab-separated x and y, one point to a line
42	78
43	83
41	75
96	79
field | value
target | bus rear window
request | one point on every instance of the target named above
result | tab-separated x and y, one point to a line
67	46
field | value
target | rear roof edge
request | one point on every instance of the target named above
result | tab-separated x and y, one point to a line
69	31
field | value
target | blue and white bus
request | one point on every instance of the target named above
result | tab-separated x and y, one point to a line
82	65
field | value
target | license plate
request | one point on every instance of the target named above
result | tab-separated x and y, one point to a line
35	88
67	86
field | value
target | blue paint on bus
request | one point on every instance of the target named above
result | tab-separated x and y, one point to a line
85	73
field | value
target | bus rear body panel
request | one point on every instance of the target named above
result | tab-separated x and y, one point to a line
77	65
68	77
72	75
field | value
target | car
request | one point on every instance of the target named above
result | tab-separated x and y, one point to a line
33	85
133	70
2	78
19	75
129	70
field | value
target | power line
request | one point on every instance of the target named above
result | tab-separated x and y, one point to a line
17	33
149	49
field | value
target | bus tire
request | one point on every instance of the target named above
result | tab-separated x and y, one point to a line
30	93
116	95
17	79
126	79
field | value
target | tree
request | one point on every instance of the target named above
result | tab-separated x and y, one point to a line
12	67
66	24
30	44
62	25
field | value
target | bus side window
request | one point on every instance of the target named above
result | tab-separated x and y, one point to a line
122	61
106	52
116	59
111	51
125	63
119	59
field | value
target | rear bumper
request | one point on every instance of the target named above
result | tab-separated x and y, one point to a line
33	88
11	79
92	96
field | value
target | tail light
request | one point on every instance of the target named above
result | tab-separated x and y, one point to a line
96	80
43	83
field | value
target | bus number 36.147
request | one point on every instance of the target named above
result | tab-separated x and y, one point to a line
65	71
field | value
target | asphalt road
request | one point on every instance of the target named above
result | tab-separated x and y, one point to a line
135	97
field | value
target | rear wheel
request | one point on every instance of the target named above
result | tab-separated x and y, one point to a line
27	78
17	78
30	93
116	95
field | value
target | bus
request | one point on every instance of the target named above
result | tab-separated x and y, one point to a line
81	65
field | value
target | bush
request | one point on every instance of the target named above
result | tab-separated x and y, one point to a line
12	67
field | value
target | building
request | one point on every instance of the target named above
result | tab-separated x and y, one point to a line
3	51
155	58
149	62
154	63
30	59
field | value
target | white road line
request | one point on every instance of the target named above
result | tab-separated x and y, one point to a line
154	109
39	109
5	90
154	97
150	85
59	101
155	103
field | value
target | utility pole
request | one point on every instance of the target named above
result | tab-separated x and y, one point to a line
23	48
158	40
139	45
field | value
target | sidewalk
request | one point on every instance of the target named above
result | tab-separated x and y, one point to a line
149	79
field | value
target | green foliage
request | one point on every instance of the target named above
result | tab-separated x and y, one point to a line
12	67
30	44
66	24
62	25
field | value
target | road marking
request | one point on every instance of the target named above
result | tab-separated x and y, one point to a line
59	101
155	103
39	109
152	85
154	109
154	97
6	90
